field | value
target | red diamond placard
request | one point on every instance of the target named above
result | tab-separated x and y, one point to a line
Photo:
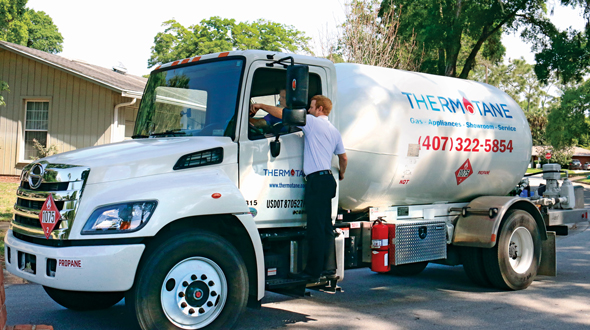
463	172
49	216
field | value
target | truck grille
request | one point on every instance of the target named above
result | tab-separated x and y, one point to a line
64	182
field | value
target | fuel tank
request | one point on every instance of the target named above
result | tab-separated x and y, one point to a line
415	138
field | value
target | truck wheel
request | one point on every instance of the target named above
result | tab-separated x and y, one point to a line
473	266
408	269
512	264
192	280
83	300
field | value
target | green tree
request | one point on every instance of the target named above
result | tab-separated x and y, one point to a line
42	33
454	32
27	27
370	37
219	34
3	87
12	26
538	121
517	79
565	53
568	124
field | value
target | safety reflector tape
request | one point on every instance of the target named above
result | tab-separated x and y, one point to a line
184	61
493	237
196	59
174	63
223	54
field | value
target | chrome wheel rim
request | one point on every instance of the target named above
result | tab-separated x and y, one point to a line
194	293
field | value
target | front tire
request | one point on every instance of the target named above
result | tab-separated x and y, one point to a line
513	263
192	280
84	300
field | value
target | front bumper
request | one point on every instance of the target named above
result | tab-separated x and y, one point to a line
79	268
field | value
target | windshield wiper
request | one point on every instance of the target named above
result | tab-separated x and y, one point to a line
169	132
139	136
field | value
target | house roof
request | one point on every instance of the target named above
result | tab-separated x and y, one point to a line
581	152
122	83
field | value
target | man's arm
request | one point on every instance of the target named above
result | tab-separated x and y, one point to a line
274	111
343	161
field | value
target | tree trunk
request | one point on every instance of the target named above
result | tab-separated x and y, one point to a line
453	46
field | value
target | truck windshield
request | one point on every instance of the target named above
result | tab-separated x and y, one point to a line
198	100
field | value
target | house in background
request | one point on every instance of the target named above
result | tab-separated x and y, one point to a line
581	154
61	102
538	154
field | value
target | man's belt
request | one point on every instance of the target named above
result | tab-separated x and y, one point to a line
318	173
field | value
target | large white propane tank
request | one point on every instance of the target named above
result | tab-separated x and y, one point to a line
414	138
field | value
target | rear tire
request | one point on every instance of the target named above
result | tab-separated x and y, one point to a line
191	280
474	267
408	269
83	300
513	263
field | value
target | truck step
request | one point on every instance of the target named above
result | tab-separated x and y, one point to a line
284	282
287	286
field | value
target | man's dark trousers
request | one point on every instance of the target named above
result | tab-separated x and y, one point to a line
319	191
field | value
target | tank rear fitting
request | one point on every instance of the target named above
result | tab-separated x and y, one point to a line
554	195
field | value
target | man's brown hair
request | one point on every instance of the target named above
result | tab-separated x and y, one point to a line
324	102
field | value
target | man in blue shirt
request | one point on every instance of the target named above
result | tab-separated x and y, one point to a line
322	141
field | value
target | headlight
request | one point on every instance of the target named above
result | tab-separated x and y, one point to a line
119	218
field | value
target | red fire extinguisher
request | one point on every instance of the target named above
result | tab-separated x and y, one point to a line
380	246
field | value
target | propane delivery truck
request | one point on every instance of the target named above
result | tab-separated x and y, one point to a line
202	212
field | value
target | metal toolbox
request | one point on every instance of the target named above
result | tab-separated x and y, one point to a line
417	241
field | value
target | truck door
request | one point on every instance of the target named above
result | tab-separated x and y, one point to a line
273	186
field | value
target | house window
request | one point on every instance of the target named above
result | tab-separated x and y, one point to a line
36	119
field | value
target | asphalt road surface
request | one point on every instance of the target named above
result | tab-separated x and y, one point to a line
441	297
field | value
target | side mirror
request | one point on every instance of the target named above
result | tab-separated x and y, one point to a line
294	117
275	147
297	86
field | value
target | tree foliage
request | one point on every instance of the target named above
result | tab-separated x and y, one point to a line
42	33
368	37
3	87
565	53
517	79
27	27
454	33
568	124
220	34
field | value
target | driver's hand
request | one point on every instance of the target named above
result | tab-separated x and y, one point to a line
254	108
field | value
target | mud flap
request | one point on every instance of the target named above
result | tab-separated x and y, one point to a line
548	266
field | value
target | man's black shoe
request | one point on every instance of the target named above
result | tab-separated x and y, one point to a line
305	276
330	274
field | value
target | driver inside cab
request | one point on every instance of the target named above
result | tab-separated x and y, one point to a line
269	120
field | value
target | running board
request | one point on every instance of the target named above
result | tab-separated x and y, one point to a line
289	287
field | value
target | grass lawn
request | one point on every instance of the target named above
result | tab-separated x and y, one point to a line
7	199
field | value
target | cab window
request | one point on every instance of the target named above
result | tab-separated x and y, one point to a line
268	87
